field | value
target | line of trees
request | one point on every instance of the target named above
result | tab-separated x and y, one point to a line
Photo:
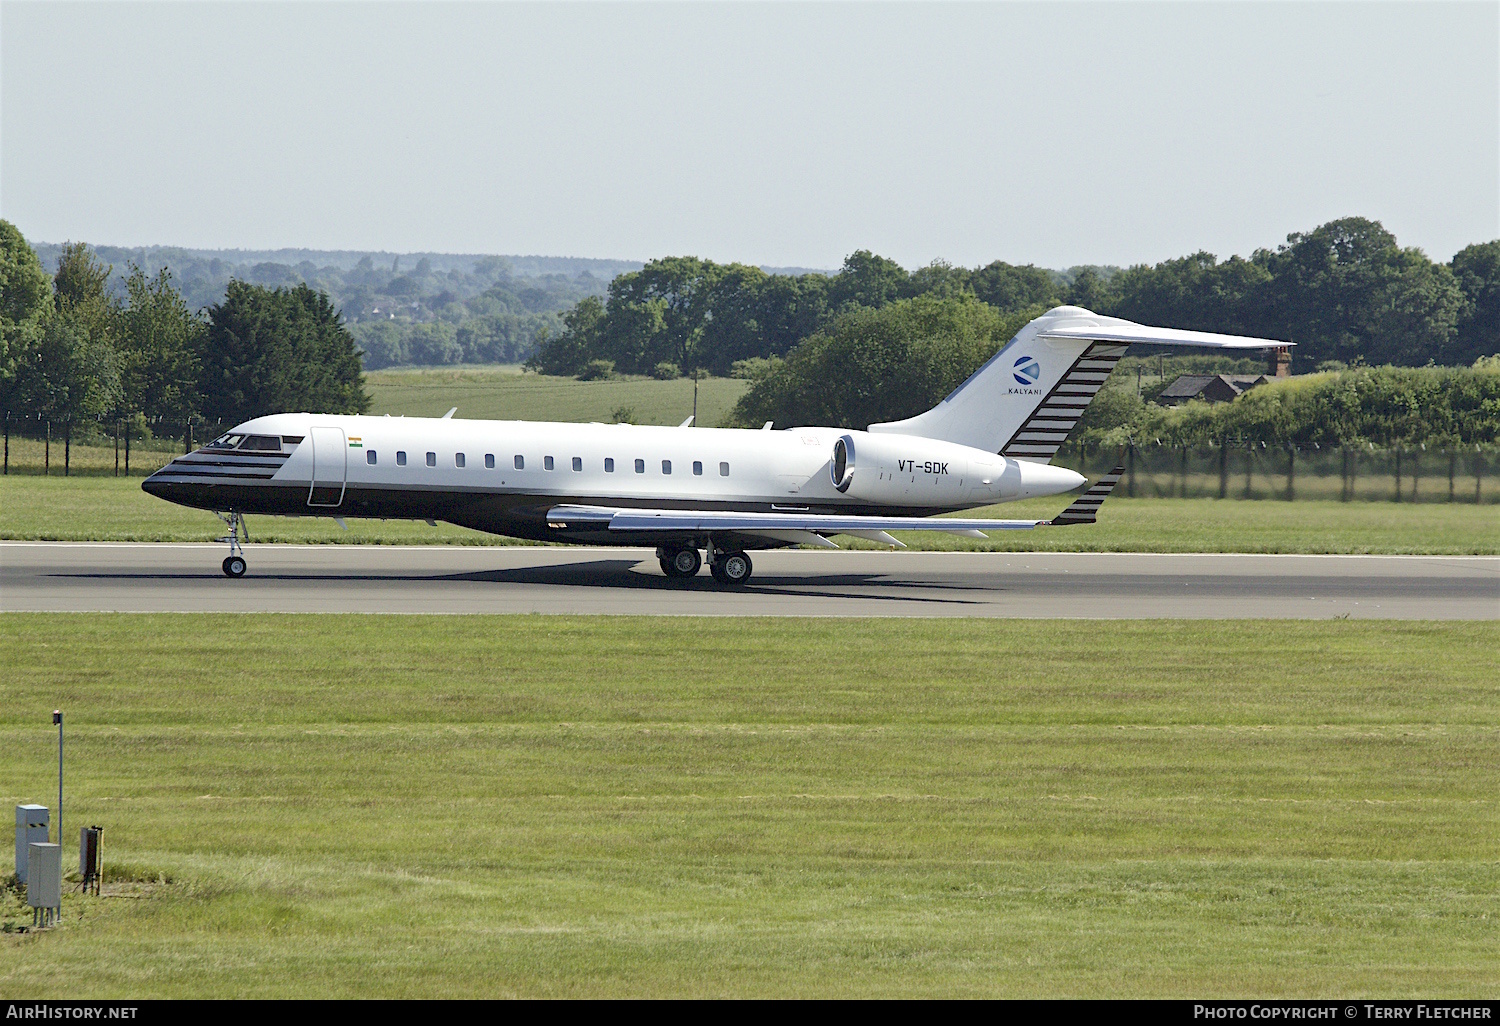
1440	407
1345	291
872	365
72	350
414	309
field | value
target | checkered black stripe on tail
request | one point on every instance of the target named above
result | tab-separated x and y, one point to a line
1086	509
1040	435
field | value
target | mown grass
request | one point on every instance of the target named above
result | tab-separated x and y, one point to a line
115	509
503	393
389	806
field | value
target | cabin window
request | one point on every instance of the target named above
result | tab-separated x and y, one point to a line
290	440
546	462
697	468
370	457
640	466
577	463
723	470
400	458
432	459
489	461
609	464
520	462
666	466
458	459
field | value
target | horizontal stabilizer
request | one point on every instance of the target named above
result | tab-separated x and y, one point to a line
1115	330
1085	510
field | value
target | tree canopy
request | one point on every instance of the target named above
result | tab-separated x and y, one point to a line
278	351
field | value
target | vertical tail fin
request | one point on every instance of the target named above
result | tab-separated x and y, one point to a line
1027	397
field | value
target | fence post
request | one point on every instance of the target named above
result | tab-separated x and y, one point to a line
1130	461
1291	472
117	447
127	446
1182	470
7	441
1249	465
1478	472
1224	468
68	447
1344	483
1452	469
47	452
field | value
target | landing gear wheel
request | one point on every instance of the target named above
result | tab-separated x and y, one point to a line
234	566
680	563
733	568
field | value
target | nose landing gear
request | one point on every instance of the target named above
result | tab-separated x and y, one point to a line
234	564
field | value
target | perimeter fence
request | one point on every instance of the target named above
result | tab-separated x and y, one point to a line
118	446
1353	473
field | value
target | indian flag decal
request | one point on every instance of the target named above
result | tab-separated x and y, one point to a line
355	442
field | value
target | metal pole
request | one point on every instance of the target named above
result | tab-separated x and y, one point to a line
57	719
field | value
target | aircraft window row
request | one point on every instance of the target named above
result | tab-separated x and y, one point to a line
547	462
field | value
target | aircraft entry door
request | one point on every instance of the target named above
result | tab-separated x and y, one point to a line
330	462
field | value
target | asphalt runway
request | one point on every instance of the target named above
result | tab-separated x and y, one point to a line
45	576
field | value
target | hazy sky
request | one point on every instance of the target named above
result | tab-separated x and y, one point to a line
786	134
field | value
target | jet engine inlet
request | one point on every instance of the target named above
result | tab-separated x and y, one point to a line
842	467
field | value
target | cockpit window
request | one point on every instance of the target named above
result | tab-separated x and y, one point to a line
261	443
225	442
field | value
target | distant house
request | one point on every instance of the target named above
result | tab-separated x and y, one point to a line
1221	388
1213	388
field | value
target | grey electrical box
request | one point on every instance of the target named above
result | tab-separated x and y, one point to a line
44	865
31	828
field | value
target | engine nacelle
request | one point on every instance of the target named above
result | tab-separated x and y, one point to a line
907	470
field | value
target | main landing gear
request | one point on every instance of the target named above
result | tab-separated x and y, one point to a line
732	568
234	563
684	562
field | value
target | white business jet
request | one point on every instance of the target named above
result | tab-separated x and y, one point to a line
689	491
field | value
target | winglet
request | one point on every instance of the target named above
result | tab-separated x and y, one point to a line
1085	509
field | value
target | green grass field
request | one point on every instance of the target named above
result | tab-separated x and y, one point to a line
373	806
504	393
115	509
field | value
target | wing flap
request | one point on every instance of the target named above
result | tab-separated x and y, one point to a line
758	523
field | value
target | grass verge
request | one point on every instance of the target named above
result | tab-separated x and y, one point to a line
115	509
389	806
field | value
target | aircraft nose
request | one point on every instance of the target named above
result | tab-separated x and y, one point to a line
154	485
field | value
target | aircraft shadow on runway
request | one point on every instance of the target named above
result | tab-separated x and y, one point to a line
605	573
621	574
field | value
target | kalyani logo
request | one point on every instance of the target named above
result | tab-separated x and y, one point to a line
1026	372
